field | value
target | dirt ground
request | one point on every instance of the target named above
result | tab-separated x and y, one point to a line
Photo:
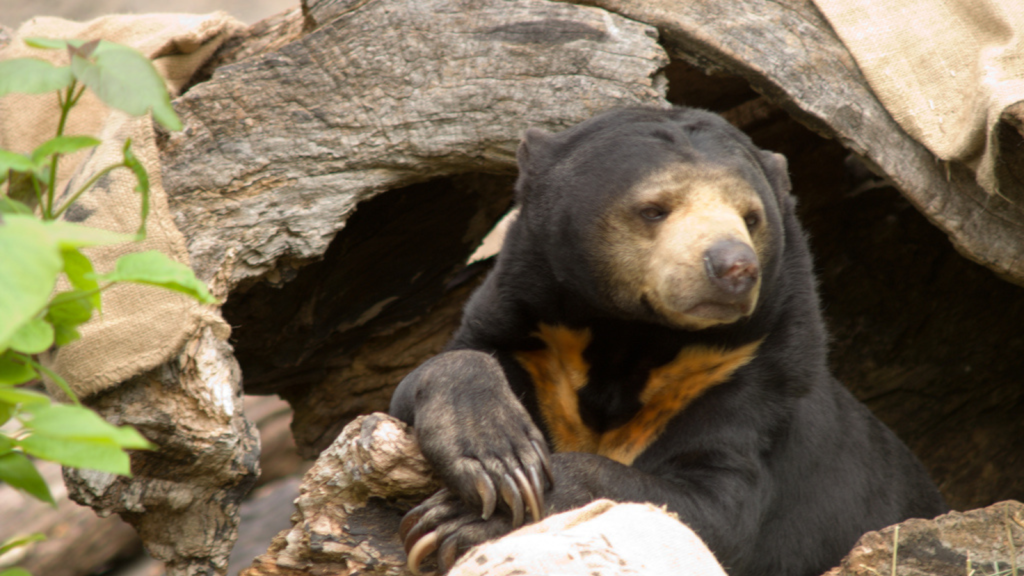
14	12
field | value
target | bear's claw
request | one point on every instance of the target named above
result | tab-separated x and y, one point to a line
420	550
488	497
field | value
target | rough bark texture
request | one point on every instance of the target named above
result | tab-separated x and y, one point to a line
350	504
277	150
984	541
184	497
787	51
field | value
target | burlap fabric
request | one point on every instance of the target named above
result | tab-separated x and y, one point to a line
603	539
946	70
141	327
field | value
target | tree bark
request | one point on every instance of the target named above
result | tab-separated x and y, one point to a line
183	498
350	504
278	150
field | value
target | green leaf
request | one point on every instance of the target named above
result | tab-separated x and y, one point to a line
15	572
62	145
80	273
66	315
12	206
32	337
64	421
32	76
126	80
69	235
92	453
6	411
27	398
156	269
6	444
143	186
14	372
16	162
52	43
17	470
31	263
19	541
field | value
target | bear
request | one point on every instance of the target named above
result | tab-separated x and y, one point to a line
651	332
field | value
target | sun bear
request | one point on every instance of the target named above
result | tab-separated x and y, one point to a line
651	332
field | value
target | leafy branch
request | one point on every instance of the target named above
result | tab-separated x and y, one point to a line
37	249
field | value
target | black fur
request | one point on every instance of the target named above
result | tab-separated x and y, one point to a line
779	469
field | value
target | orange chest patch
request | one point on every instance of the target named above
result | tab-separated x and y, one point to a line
560	371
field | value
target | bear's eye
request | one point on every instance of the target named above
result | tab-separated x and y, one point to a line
752	220
653	213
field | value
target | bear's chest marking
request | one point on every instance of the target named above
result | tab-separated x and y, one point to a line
559	371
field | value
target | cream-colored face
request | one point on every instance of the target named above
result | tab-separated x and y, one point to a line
654	245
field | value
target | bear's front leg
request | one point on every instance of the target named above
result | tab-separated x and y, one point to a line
476	434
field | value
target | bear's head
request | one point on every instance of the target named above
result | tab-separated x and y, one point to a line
671	216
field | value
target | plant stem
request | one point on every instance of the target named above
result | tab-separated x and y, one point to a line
87	185
77	96
66	103
84	294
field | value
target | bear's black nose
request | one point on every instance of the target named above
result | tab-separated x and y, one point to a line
732	267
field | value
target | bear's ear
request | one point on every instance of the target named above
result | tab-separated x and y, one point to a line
532	148
776	168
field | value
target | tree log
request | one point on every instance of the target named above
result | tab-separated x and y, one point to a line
278	150
984	541
350	504
183	499
353	498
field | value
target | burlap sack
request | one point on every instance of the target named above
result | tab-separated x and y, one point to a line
141	327
603	538
945	69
